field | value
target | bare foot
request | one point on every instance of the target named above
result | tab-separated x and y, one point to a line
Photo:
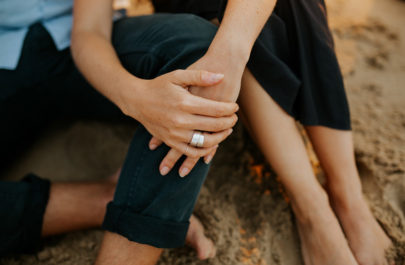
197	240
195	235
366	237
322	239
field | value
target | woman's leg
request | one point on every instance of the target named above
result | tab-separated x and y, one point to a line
335	151
322	239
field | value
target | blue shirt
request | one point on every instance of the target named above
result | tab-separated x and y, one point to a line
17	15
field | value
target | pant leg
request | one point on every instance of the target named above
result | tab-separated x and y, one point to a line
40	90
149	208
22	206
23	114
47	85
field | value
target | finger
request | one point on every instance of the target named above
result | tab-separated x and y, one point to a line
154	143
196	78
207	107
210	139
174	155
195	152
208	158
210	124
187	166
169	161
214	139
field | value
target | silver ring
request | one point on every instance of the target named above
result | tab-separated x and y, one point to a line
201	140
196	139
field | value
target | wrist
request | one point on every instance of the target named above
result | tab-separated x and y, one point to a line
224	45
128	94
238	54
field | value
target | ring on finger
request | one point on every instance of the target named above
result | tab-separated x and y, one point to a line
196	139
201	139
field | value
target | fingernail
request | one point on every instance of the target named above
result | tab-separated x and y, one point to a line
208	159
216	77
183	172
230	131
152	146
211	77
164	171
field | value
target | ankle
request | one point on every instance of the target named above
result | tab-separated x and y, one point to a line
346	198
102	197
310	207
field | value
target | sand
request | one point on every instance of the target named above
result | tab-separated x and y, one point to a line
242	205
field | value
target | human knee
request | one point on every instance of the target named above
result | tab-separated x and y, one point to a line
187	38
149	46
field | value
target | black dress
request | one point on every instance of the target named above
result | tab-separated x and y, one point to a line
293	58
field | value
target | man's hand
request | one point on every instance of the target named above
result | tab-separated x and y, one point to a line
171	113
226	91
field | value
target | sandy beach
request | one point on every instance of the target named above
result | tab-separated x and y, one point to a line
242	205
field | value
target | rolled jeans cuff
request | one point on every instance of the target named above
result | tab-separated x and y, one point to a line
22	209
38	200
145	229
149	208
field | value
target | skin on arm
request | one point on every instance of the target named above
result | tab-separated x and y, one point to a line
228	54
163	104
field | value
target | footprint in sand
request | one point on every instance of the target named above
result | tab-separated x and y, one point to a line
394	193
374	42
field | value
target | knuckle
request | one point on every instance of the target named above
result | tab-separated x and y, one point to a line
189	162
170	143
207	141
221	125
213	140
176	121
204	152
216	126
180	121
218	112
234	120
176	73
201	74
184	103
171	133
169	160
193	154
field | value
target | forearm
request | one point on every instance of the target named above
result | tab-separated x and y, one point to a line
97	61
242	23
94	53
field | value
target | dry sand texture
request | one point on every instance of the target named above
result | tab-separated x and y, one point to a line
242	205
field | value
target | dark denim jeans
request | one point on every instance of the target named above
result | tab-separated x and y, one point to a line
147	208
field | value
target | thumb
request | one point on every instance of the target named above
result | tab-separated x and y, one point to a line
196	78
154	143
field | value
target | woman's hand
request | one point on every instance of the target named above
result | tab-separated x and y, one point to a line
171	113
228	90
